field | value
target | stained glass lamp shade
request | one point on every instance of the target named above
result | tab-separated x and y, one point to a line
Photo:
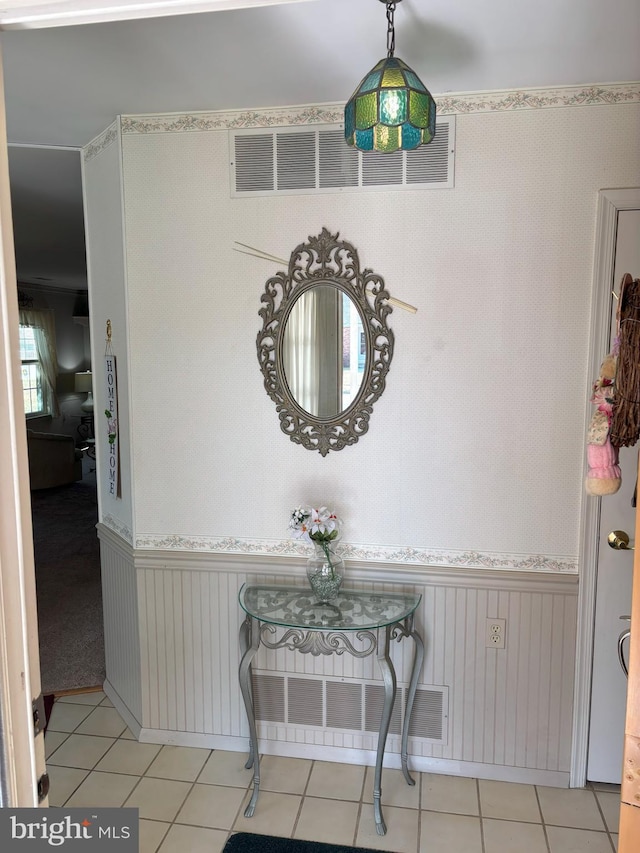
391	109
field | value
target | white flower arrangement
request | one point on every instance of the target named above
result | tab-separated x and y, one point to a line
321	526
314	525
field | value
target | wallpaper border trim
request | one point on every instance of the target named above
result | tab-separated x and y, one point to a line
118	527
410	556
462	103
101	141
291	567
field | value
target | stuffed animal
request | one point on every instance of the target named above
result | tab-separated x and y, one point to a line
603	476
608	367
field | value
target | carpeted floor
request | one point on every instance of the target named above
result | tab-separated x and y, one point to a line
247	842
69	593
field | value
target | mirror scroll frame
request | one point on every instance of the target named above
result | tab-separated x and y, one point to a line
325	260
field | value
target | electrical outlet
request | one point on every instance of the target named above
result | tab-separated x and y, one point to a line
496	630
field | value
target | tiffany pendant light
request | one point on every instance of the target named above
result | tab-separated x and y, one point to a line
391	109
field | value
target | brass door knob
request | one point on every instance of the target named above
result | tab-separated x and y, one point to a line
619	540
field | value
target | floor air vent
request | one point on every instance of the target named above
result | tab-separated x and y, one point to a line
318	160
348	705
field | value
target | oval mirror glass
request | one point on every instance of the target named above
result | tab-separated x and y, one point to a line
325	347
324	351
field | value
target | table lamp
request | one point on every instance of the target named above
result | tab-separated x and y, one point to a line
82	386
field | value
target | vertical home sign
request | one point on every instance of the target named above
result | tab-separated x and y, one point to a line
111	413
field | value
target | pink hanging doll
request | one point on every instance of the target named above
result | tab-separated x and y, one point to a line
603	476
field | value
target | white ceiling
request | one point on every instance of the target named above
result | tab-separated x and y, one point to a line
66	84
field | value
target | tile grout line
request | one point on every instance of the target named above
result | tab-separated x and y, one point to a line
243	799
361	800
172	823
359	809
90	770
606	825
137	785
419	810
302	799
542	820
304	795
482	844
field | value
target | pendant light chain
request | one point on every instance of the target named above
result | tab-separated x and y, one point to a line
391	33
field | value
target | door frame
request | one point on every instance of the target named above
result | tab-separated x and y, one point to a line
21	754
34	14
610	203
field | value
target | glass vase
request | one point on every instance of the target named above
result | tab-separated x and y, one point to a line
325	570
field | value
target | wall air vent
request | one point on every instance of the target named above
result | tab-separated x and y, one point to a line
268	693
317	160
348	705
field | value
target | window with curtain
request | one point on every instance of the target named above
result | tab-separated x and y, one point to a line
312	351
39	362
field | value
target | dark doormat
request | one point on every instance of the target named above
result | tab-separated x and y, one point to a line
247	842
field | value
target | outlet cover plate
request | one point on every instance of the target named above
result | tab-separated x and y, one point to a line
495	633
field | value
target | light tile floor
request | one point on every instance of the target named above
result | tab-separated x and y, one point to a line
193	799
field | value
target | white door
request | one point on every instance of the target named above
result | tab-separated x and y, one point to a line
21	755
615	570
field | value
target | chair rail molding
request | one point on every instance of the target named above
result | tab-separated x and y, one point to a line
293	567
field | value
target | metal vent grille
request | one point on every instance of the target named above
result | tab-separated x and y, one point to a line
348	704
338	164
304	701
382	169
426	719
429	164
302	160
344	705
268	697
374	701
296	155
254	162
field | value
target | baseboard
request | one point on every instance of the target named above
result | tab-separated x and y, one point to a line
444	766
76	690
121	708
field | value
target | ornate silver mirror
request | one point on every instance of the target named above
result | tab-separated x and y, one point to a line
325	347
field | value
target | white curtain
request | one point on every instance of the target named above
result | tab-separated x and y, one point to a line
300	353
44	332
312	351
329	349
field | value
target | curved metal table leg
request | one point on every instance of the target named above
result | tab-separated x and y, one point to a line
389	678
250	638
245	634
416	669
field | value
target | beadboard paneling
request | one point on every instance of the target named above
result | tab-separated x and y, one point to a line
509	707
121	624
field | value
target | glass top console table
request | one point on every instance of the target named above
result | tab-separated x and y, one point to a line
357	622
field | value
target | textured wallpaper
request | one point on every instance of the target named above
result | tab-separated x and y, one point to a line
102	177
475	450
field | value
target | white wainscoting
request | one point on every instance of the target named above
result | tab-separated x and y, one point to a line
121	631
509	710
